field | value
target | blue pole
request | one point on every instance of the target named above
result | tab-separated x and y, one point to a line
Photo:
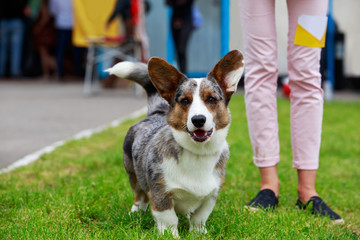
225	25
170	48
330	80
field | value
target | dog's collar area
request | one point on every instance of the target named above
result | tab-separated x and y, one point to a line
200	135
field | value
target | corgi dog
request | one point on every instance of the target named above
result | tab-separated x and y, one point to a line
176	156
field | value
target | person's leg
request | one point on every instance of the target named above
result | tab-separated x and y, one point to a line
44	59
176	33
258	25
185	34
16	46
179	54
78	58
181	32
3	46
60	51
269	179
307	194
306	98
306	185
306	106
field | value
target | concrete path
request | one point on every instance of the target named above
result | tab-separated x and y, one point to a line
35	114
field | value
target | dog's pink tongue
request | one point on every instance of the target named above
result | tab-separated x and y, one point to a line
200	133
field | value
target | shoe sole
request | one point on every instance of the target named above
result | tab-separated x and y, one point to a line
251	209
338	221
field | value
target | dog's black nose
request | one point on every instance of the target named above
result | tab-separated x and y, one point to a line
198	120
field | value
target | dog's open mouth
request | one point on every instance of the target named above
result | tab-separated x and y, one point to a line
200	135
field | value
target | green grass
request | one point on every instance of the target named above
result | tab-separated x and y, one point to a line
81	191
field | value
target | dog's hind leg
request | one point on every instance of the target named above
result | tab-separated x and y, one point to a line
140	199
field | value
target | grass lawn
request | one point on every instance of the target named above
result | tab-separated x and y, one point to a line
81	191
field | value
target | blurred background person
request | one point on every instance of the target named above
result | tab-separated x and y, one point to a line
181	27
62	11
12	14
44	38
133	37
123	9
132	13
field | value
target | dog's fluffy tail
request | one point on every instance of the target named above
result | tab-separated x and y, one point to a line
138	72
134	71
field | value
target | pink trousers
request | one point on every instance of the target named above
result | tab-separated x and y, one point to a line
261	72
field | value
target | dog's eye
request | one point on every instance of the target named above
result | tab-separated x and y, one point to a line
185	102
211	100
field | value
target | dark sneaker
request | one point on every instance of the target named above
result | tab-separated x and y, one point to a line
320	207
265	199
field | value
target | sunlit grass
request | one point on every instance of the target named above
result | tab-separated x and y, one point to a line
81	191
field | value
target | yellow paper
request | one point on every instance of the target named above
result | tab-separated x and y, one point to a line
90	17
311	31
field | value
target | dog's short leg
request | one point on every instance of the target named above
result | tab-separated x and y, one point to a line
166	219
141	200
198	219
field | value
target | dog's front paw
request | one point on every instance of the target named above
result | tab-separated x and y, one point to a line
173	230
198	228
166	220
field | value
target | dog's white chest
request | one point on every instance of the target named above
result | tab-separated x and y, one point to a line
191	180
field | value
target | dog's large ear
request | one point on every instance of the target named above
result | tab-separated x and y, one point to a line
228	71
165	77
